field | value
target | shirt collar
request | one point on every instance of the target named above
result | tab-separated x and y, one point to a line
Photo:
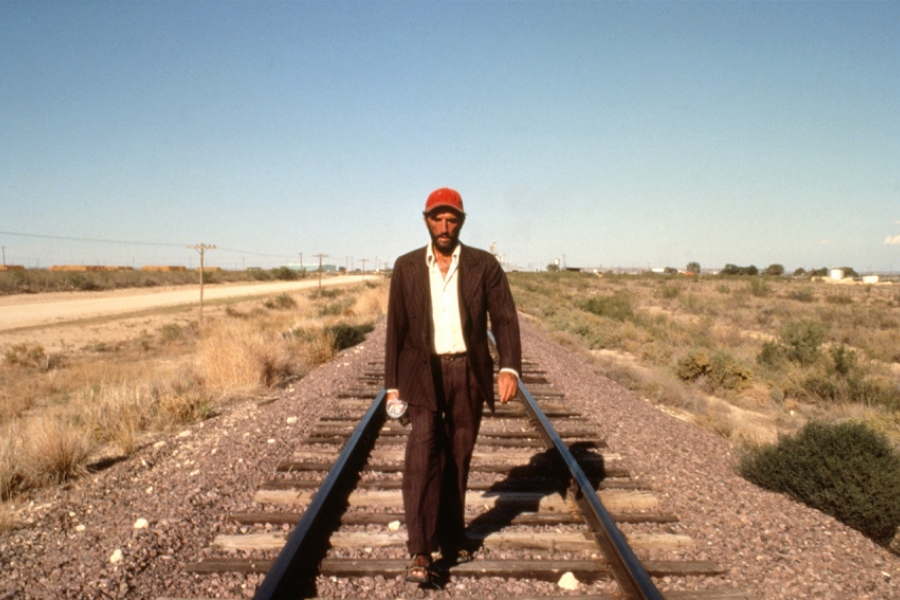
429	255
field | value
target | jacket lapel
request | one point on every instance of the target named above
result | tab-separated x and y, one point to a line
421	296
468	279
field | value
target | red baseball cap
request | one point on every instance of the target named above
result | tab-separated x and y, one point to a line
444	198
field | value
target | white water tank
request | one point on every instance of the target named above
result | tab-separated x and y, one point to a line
837	274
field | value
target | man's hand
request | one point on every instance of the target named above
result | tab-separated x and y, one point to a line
507	386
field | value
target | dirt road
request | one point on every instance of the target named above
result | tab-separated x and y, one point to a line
56	321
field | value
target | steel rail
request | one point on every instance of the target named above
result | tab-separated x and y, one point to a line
627	570
286	578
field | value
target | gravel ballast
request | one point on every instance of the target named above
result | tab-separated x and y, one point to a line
130	530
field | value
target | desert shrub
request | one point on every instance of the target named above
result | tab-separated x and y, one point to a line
170	333
235	313
280	302
239	355
10	469
117	413
616	307
697	304
844	379
347	336
723	288
759	288
285	274
804	294
719	368
333	309
260	274
771	355
801	340
845	470
668	292
54	451
25	355
840	299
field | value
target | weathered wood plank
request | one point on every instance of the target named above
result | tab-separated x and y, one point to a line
501	540
510	457
537	467
510	484
620	500
525	518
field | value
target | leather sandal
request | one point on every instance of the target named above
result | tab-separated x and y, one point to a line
420	569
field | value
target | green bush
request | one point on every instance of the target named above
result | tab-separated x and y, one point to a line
845	470
804	294
285	274
616	307
843	379
801	340
347	336
759	288
771	355
669	291
334	309
839	299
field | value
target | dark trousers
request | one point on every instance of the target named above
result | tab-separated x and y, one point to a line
438	455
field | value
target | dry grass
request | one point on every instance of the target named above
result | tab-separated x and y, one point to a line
55	450
712	332
55	411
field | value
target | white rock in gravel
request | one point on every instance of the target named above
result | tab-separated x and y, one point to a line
291	420
116	556
270	441
159	444
568	581
141	523
79	528
184	434
394	526
149	490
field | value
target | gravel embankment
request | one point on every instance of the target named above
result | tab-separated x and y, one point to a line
185	485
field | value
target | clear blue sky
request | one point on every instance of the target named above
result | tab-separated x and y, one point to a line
645	134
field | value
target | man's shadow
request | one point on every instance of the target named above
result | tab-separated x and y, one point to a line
546	474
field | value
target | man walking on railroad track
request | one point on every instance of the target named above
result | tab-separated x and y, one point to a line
437	360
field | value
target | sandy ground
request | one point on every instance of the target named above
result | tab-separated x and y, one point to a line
59	321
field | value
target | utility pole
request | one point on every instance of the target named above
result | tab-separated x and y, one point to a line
301	263
4	256
201	248
320	257
364	261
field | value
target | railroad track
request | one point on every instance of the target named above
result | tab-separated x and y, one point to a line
544	498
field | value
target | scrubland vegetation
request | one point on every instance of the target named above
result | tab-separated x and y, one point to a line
57	411
803	375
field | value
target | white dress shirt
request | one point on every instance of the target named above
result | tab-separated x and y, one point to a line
448	335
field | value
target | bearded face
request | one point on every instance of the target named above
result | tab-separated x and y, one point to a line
444	227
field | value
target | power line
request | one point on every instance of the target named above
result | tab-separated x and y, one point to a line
127	243
75	239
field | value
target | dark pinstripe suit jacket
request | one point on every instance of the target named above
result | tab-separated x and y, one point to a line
483	291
